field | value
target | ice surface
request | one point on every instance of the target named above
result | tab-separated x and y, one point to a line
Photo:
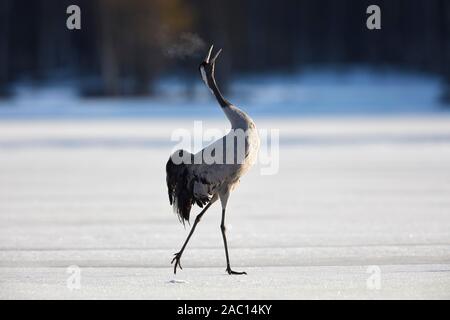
350	193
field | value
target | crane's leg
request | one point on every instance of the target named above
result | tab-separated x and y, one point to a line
224	200
177	257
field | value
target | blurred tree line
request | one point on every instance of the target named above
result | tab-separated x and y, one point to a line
124	45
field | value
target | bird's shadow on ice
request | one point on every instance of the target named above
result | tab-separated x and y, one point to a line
176	281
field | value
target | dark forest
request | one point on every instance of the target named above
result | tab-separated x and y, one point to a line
123	46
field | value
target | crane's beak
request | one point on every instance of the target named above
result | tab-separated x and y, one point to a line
209	54
208	57
215	57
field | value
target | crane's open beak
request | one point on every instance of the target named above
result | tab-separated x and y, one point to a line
208	57
215	57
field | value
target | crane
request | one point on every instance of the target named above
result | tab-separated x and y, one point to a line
191	179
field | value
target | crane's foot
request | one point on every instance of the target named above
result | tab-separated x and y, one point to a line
177	259
235	272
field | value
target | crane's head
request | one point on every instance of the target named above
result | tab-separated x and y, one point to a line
206	68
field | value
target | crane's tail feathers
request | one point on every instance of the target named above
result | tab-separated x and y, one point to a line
177	184
185	187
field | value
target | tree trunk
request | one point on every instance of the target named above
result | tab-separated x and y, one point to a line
108	55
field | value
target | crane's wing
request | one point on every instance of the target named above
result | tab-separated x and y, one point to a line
195	179
188	184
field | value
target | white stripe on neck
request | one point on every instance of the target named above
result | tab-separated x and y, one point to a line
202	71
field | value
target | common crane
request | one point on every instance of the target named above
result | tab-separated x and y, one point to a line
191	179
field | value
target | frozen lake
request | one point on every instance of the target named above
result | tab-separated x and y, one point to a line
350	193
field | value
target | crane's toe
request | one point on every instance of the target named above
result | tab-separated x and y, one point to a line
235	272
176	259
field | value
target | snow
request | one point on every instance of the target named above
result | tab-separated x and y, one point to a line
313	92
351	192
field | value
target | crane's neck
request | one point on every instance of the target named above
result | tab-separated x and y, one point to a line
216	91
238	118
